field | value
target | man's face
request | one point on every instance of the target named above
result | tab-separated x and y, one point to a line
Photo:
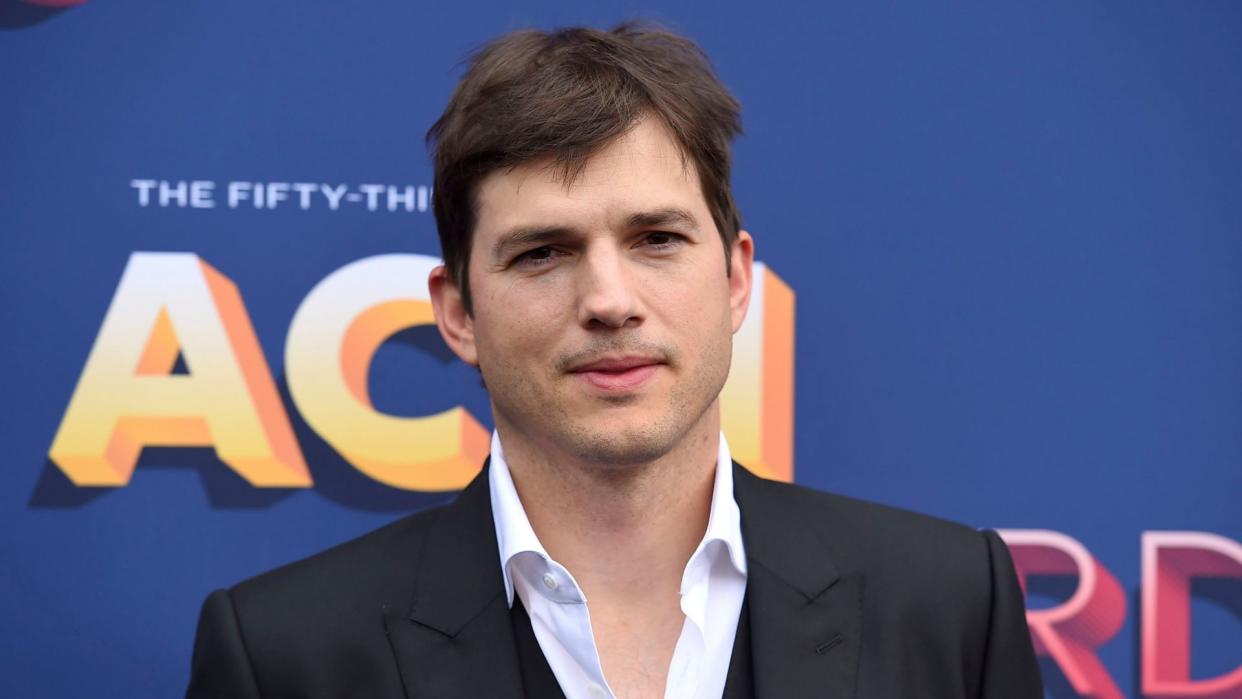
603	315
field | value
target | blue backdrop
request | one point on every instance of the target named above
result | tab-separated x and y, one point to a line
1014	231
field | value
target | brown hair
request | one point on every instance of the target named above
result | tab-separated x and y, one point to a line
564	94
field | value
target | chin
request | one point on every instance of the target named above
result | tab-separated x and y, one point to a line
619	445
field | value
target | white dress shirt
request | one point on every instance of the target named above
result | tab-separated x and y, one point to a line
712	587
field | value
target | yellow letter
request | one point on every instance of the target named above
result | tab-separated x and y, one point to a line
126	399
332	339
756	405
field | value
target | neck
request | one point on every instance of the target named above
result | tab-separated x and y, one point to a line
618	528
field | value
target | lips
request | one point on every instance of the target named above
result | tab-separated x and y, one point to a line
617	373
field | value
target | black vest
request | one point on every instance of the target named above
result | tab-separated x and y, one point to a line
538	682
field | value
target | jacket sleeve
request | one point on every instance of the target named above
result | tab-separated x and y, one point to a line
1009	667
220	668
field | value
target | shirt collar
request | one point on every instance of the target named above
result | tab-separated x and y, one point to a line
514	534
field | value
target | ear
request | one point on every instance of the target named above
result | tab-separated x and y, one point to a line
741	260
455	324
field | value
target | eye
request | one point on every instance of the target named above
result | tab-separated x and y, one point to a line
537	256
663	240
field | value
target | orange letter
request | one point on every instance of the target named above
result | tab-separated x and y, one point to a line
126	399
1071	632
757	403
1170	560
332	339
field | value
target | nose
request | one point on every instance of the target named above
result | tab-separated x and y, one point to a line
606	293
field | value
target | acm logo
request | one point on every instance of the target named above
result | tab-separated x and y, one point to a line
175	304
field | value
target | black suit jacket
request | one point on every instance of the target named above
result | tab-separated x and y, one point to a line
847	600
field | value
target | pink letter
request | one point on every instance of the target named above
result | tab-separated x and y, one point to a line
1170	560
1070	632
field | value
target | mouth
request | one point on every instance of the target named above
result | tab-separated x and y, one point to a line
617	373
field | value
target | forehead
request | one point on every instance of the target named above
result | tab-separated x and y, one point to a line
641	170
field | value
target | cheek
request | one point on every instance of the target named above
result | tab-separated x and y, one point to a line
691	301
517	324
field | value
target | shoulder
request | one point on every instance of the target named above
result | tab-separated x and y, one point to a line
372	571
899	551
934	595
315	626
928	587
841	518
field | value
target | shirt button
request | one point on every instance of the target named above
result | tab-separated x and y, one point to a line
550	583
597	691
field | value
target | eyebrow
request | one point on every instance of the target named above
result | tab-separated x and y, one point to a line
663	217
534	236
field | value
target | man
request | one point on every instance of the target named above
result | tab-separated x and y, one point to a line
595	272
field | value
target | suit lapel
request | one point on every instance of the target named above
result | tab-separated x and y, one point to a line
456	639
805	615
